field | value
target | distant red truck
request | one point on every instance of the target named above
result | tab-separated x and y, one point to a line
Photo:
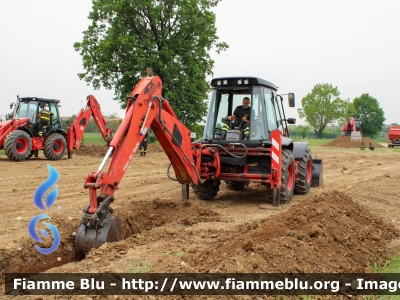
394	136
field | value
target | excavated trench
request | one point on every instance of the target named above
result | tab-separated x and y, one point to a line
143	216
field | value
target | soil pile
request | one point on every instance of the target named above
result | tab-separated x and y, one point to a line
25	258
143	216
91	150
154	148
346	142
326	233
101	150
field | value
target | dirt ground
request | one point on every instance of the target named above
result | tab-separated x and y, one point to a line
349	224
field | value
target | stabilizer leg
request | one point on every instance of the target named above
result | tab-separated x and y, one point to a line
275	197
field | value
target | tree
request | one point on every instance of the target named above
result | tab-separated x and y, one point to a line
304	131
172	37
113	115
323	106
371	115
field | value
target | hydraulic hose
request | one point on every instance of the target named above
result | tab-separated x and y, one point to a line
169	176
232	145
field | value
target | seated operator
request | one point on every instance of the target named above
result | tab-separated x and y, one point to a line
241	118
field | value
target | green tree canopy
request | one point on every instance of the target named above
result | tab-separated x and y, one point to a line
323	106
172	37
371	115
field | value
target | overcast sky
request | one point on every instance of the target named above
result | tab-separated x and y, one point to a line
354	45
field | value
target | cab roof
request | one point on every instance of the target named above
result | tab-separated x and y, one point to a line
241	81
27	99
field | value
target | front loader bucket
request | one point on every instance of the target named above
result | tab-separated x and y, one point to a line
355	136
88	238
317	174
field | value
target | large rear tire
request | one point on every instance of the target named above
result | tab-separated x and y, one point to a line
305	174
235	185
287	176
206	191
54	146
18	145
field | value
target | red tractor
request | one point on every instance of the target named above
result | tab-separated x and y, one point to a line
265	155
352	128
19	135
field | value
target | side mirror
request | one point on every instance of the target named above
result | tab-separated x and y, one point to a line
291	100
11	105
291	121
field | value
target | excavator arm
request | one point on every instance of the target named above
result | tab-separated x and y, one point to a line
77	128
145	109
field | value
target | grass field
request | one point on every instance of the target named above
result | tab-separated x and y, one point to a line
93	139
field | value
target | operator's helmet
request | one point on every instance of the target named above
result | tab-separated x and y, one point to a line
42	105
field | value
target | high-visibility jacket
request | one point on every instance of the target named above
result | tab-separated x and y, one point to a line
45	115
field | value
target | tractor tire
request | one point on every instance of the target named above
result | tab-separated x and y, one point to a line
54	146
235	185
302	186
287	176
206	191
18	145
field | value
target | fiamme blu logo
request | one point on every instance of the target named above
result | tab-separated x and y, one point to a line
44	204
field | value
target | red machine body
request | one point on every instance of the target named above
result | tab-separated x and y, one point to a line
9	126
394	136
275	160
352	128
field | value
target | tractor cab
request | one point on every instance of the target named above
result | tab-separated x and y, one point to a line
265	112
29	107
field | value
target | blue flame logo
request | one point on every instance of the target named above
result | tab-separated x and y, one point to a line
44	187
38	201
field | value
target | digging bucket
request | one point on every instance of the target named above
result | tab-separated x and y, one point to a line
355	136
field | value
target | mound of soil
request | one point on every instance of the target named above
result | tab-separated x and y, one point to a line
345	142
155	148
91	150
141	217
101	150
328	233
27	259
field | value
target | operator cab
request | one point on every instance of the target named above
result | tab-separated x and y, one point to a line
266	112
29	107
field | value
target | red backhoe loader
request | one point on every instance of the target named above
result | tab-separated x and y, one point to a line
19	135
265	155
